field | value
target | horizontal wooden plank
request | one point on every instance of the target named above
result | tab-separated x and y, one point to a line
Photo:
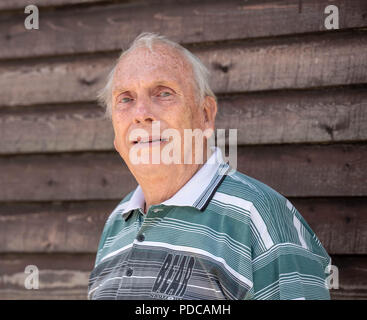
21	4
61	276
265	64
339	223
53	227
112	27
293	170
76	227
54	128
328	115
306	171
64	276
352	277
53	81
261	118
65	176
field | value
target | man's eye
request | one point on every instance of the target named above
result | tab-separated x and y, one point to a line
125	100
164	94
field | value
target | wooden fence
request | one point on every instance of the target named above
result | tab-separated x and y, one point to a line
295	91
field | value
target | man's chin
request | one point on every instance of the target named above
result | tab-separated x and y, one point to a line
151	170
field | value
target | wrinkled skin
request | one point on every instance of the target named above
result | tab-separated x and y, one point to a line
158	86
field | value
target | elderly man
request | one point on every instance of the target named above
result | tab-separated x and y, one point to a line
190	230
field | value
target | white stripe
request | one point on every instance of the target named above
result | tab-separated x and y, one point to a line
117	251
289	205
232	200
261	227
198	251
191	285
297	225
255	215
175	224
141	277
101	284
287	246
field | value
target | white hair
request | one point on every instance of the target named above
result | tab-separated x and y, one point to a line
147	39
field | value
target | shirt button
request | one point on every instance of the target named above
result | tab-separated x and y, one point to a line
140	237
129	272
157	210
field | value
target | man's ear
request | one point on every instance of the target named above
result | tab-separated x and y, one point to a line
210	111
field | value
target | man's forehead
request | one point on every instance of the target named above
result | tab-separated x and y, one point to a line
161	57
163	64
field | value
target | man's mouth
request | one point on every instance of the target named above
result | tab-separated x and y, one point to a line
150	140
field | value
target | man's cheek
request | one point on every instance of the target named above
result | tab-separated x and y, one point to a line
119	142
116	144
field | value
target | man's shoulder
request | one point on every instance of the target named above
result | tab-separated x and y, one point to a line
274	216
243	194
259	194
269	205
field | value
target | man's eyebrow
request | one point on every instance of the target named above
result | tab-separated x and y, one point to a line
164	83
118	90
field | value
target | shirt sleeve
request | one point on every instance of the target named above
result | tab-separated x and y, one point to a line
289	272
295	266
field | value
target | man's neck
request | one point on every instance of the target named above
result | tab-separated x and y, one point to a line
159	188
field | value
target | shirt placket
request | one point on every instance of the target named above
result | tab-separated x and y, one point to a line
140	237
128	269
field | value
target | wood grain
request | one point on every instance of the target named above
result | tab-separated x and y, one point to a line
65	276
295	91
65	176
309	116
264	64
339	223
293	170
21	4
61	276
352	277
308	170
76	227
53	227
91	29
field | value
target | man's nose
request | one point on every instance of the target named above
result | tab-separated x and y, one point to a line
143	112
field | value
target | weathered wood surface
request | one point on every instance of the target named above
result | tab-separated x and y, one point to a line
21	4
67	176
352	277
308	170
79	127
339	223
53	227
293	170
264	64
76	227
61	276
65	276
112	27
327	115
54	206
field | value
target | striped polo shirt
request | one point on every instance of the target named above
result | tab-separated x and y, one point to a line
221	236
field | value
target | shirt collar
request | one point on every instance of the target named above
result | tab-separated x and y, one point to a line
197	192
